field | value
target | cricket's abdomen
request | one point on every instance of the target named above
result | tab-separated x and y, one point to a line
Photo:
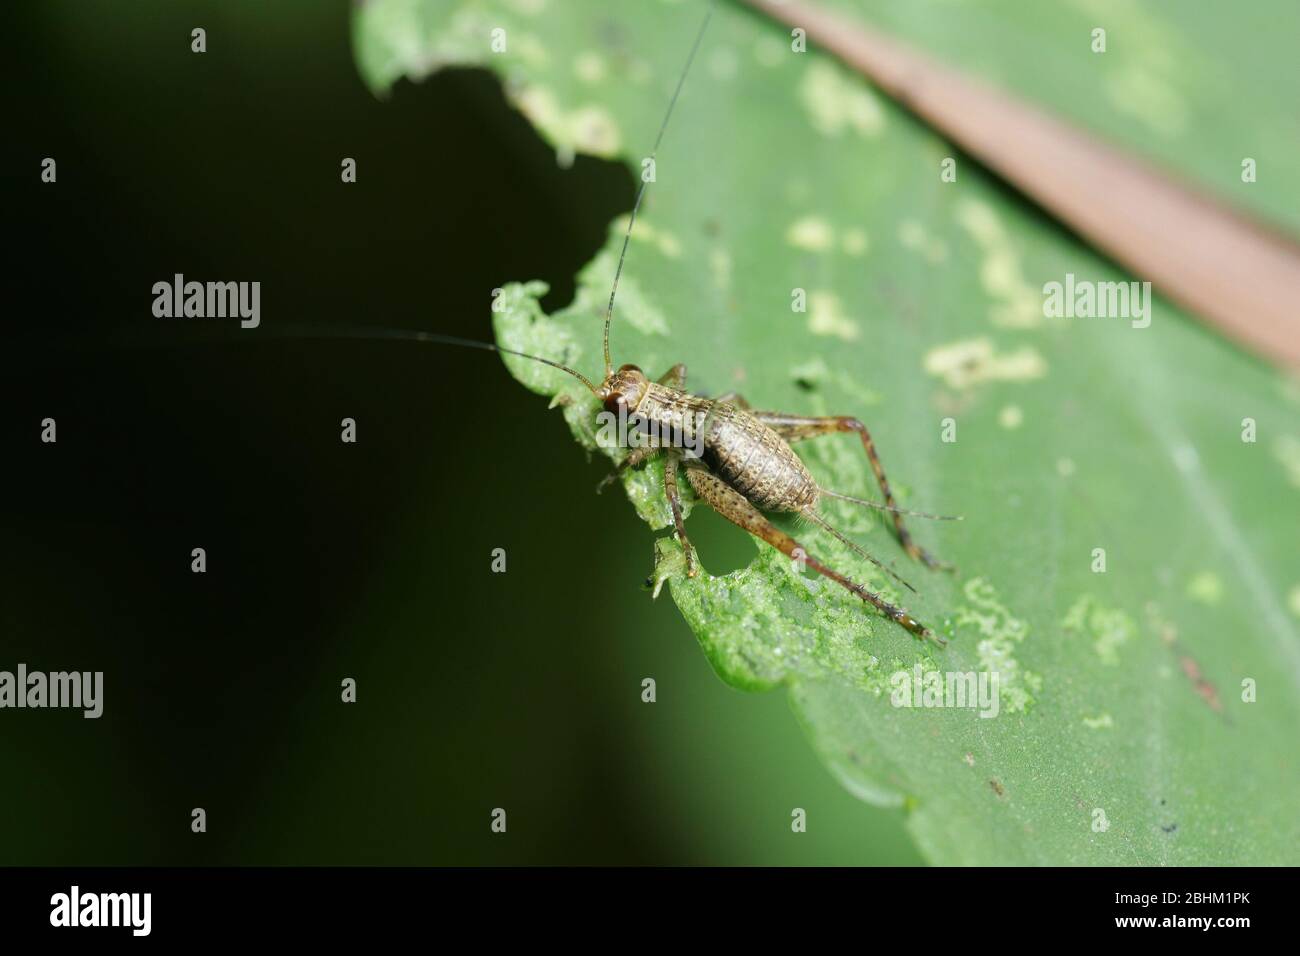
756	461
736	446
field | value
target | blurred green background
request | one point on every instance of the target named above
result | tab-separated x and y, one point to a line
325	561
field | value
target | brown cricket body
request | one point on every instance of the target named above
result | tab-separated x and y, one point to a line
738	448
745	466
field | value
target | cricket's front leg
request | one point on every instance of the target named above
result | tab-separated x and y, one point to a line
634	459
673	460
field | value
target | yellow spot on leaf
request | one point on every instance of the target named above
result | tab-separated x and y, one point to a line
999	635
720	268
838	102
1205	587
1017	305
826	317
1011	416
589	67
1287	450
587	129
723	64
914	236
812	233
635	307
665	241
854	241
528	49
972	362
1109	628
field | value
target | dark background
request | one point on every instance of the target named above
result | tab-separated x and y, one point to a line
326	560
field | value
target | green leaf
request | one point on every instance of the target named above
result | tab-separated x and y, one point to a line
1122	733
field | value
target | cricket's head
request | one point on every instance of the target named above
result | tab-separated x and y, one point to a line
623	390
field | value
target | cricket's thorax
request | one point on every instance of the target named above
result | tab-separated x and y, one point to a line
675	413
738	448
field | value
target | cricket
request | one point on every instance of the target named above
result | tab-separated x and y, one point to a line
747	467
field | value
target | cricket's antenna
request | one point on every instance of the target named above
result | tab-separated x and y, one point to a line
609	312
408	335
889	508
811	514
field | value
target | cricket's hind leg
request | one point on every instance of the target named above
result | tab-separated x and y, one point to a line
796	427
734	398
737	509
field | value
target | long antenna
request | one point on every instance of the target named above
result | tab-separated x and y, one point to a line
890	508
609	311
409	335
817	519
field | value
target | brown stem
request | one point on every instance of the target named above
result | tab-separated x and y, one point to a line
1241	275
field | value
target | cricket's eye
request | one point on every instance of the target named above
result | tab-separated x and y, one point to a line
629	368
615	401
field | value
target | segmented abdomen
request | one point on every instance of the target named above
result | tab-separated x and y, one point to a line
754	460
